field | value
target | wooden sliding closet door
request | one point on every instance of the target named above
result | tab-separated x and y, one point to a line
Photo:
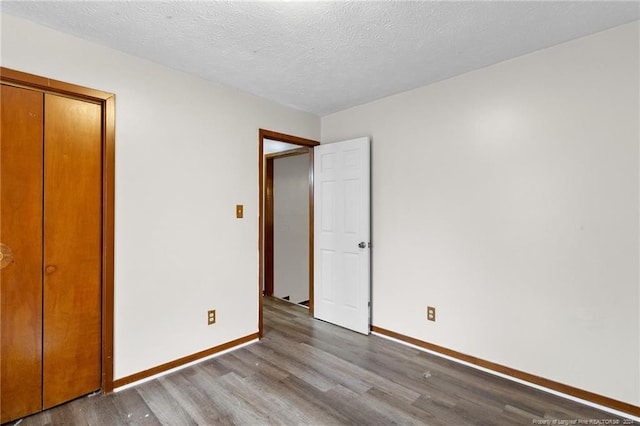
72	248
51	234
21	237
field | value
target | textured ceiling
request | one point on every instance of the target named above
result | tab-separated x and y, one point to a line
325	56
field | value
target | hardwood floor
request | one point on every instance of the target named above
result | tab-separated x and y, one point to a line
308	372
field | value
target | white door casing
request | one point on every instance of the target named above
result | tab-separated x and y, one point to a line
342	234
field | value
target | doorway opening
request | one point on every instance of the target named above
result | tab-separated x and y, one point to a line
287	222
281	146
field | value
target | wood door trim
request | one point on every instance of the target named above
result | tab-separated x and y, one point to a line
108	240
268	228
31	81
107	100
280	137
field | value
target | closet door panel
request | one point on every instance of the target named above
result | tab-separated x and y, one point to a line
21	236
72	249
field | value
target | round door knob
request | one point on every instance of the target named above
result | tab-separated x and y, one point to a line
362	245
6	255
50	269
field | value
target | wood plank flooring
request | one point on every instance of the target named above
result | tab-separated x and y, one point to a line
309	372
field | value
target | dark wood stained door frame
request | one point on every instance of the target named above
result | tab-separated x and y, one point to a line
262	178
107	101
268	227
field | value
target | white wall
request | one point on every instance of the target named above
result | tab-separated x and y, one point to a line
187	153
291	227
508	199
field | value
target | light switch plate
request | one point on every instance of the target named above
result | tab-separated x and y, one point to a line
239	211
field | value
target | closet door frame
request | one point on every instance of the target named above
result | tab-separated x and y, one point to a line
107	101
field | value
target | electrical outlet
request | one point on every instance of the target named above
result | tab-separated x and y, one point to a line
211	317
431	313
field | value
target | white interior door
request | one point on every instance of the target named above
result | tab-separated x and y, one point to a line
342	233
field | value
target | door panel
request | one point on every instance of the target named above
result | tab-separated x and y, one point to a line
72	249
21	231
342	234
